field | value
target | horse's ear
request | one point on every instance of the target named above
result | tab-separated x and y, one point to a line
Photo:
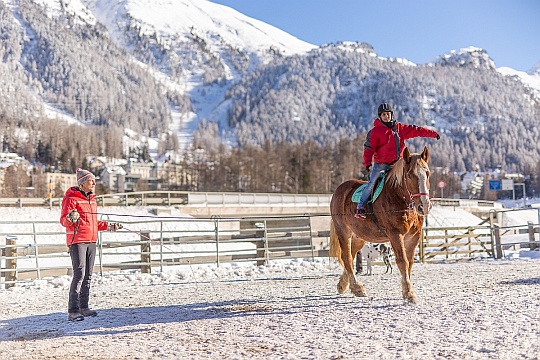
406	155
425	154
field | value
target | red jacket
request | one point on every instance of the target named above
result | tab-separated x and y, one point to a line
86	228
381	145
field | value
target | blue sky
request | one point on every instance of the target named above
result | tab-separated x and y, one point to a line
418	30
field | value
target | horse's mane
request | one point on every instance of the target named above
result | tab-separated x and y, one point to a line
395	175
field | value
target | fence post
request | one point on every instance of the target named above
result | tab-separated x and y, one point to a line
498	246
10	251
492	214
311	240
446	243
470	236
530	230
146	266
216	236
262	246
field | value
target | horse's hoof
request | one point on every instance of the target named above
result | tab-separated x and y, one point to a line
359	291
341	289
411	300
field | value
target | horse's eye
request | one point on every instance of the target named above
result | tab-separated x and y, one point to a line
409	175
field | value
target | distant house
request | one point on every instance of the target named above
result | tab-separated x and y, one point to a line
10	159
141	176
63	181
113	178
173	176
472	184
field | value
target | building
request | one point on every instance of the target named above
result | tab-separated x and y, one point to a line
113	178
57	183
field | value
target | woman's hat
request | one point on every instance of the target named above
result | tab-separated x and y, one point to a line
83	176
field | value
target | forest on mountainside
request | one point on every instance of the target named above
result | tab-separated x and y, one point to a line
76	69
294	123
280	168
485	119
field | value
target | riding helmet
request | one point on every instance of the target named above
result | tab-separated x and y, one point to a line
385	108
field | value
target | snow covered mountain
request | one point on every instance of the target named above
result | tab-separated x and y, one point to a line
161	68
530	78
471	56
479	59
192	48
229	44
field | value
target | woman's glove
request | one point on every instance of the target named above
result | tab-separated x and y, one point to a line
73	216
114	227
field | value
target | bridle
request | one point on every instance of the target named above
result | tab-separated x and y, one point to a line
411	204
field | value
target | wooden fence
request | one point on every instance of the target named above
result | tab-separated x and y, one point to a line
455	243
38	250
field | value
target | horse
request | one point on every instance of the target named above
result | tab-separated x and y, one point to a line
393	217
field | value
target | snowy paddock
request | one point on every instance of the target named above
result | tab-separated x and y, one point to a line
483	309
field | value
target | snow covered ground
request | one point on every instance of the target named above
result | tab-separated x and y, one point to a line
476	310
485	309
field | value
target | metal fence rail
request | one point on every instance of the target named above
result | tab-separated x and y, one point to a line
36	249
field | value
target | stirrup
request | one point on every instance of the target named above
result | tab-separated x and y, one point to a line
360	213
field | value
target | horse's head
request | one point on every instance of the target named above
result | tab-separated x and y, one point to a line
416	177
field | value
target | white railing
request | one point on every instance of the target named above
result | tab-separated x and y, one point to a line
168	198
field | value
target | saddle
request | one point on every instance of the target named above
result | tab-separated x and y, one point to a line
377	189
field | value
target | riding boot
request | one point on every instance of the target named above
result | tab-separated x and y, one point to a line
86	312
75	316
360	213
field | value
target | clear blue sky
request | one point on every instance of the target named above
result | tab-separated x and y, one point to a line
418	30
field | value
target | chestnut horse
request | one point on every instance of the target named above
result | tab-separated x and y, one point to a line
399	219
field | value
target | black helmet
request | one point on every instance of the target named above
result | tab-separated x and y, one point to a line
385	108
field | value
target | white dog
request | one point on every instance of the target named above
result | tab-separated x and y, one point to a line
372	252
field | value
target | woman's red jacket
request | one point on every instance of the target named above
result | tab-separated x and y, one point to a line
86	229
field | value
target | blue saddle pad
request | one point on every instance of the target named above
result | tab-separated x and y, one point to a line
358	192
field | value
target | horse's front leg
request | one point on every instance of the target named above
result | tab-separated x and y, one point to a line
402	262
410	247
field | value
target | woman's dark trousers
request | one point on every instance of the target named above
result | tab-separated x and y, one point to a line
82	261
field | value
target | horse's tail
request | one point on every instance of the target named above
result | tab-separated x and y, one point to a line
335	249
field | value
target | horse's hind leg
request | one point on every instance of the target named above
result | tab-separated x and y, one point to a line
347	279
355	244
343	283
344	239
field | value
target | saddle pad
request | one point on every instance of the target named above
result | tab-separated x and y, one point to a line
358	192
